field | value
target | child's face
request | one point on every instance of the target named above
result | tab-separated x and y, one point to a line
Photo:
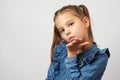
70	26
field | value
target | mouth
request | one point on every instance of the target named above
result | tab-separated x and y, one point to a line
71	39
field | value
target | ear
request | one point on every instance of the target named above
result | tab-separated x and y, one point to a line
86	21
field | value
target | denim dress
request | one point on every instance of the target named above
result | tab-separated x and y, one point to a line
88	65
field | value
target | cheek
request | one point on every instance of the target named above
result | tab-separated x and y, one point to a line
80	33
64	37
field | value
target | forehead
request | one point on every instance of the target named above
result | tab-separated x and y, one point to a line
66	13
62	18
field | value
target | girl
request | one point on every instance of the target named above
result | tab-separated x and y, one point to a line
74	54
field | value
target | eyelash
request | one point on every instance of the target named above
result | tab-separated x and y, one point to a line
70	24
61	30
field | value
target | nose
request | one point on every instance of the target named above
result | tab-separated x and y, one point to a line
67	32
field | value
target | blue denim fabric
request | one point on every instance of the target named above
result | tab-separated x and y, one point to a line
88	65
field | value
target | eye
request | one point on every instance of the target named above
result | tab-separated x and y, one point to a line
61	30
70	24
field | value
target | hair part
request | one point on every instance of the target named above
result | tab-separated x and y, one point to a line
79	11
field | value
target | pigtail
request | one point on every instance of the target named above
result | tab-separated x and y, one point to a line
85	10
86	13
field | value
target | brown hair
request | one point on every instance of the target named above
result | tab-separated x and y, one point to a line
79	11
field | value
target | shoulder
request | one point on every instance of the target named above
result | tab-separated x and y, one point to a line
105	52
101	57
60	47
59	50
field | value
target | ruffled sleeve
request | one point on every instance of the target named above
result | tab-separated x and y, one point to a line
57	55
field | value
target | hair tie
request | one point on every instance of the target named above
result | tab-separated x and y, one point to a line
80	7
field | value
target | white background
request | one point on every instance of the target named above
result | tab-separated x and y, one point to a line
26	28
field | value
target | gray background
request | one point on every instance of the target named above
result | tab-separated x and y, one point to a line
26	28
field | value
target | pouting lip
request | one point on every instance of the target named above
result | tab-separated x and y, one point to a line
71	38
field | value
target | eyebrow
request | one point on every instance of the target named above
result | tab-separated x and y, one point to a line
69	21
